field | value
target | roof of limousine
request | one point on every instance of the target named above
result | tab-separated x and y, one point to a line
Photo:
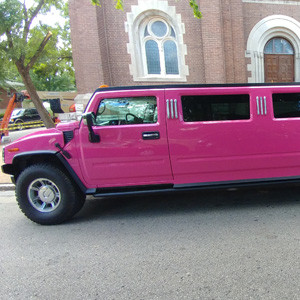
173	86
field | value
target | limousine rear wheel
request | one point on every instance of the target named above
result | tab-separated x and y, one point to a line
46	195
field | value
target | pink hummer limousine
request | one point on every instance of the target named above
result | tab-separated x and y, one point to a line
158	138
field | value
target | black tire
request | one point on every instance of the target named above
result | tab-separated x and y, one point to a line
47	196
19	124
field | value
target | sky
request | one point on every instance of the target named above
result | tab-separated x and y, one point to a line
50	19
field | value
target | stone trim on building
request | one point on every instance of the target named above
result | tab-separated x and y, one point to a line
145	10
285	2
266	29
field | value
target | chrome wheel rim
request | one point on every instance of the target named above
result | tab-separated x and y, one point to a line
20	125
44	195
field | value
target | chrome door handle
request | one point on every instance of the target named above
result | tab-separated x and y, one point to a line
151	135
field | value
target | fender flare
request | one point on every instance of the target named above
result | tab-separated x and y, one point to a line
13	168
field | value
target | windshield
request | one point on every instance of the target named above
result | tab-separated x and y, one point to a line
17	112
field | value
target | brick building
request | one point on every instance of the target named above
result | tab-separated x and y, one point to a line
6	91
158	41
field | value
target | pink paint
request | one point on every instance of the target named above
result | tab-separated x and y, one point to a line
261	147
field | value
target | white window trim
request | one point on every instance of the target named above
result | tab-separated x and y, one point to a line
281	2
152	21
268	28
150	9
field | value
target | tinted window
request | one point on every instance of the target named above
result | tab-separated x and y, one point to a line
126	111
286	105
31	111
215	108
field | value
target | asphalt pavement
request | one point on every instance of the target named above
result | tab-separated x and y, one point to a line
219	244
208	245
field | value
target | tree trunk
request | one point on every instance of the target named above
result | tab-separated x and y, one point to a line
44	114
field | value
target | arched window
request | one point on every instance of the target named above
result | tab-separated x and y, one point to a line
156	44
278	46
159	41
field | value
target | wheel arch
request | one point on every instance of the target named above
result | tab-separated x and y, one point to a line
23	160
19	121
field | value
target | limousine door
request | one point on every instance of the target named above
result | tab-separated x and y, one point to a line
215	135
132	148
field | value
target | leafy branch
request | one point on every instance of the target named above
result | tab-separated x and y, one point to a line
195	7
119	4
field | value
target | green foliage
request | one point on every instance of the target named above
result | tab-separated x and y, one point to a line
53	82
96	2
8	71
120	5
20	42
54	69
12	24
27	45
195	7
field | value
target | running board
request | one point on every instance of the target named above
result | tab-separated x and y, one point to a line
154	189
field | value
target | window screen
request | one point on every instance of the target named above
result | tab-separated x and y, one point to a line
286	105
215	108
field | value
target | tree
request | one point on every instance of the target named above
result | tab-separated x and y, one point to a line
119	5
54	69
8	71
23	44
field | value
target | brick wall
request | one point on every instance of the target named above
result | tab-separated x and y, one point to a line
86	45
254	12
4	98
99	44
213	41
216	44
193	39
234	41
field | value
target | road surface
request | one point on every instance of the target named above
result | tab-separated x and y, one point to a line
208	245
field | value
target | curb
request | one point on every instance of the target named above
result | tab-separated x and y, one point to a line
7	187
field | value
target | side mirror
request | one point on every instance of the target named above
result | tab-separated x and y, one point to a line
88	119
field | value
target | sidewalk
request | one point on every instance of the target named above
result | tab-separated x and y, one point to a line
5	182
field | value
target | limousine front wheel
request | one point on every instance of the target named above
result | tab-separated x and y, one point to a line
46	195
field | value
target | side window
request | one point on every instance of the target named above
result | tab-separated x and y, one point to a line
286	105
215	108
127	111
